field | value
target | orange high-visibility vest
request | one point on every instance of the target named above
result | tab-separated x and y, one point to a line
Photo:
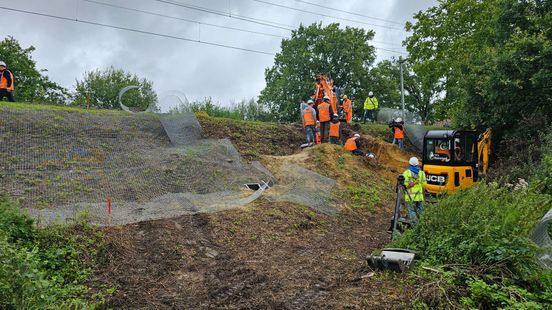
399	133
348	109
324	112
4	81
334	129
308	118
350	145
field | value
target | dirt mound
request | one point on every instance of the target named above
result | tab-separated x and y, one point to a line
254	139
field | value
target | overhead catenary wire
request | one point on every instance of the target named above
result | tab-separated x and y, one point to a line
76	19
182	19
229	15
352	13
326	15
214	25
134	30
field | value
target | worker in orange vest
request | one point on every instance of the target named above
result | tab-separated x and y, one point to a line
353	145
325	115
317	133
309	122
347	107
6	83
397	125
334	130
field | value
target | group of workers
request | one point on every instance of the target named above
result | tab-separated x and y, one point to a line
6	83
322	125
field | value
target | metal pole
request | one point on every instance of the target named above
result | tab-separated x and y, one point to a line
402	88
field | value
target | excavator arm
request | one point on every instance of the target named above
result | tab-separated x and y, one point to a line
483	151
324	86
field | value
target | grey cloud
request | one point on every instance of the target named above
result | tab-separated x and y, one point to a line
68	49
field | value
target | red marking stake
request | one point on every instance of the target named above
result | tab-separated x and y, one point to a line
109	210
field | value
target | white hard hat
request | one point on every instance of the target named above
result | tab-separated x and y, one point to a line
310	101
326	98
398	120
370	155
3	64
335	115
370	94
356	135
413	161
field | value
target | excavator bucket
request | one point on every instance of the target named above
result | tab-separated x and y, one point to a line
392	259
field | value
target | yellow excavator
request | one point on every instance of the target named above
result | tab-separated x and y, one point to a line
455	159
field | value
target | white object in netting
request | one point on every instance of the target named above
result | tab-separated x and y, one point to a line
541	237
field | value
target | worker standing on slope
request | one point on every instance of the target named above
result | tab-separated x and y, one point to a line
309	122
334	130
347	107
397	126
325	115
415	182
6	83
370	108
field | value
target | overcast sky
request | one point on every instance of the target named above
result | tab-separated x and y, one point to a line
67	49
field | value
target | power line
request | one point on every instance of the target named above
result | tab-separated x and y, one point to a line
182	19
155	33
349	12
229	15
240	17
325	15
135	30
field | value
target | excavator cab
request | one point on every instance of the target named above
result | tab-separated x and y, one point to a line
450	160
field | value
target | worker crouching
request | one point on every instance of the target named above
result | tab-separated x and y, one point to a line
353	145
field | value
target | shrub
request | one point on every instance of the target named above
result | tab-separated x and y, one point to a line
45	268
483	235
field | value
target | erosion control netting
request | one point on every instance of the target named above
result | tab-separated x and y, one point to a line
541	236
414	130
60	163
305	187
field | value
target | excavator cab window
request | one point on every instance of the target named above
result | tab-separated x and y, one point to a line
450	148
438	150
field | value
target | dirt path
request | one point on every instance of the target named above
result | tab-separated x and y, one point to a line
263	256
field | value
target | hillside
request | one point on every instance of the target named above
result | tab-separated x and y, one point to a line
282	250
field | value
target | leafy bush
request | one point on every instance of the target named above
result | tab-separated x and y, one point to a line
45	268
482	235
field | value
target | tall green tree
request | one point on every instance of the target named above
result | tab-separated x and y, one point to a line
493	62
421	96
344	53
102	88
31	84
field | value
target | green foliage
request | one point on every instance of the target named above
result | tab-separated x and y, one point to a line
248	110
420	94
485	230
31	85
492	61
103	88
363	197
345	54
45	268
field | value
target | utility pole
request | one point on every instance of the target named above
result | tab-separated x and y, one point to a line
401	61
